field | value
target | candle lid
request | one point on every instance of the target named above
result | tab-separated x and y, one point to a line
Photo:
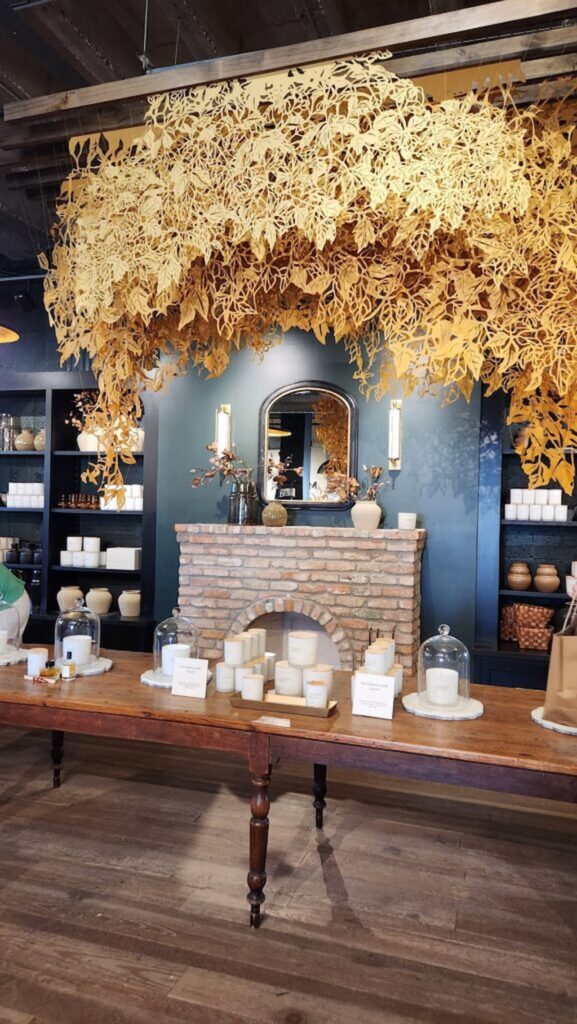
444	651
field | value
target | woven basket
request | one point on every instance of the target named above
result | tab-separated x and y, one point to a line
534	638
533	616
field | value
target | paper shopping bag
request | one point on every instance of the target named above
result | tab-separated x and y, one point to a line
561	696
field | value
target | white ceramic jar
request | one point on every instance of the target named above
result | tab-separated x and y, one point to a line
67	597
129	604
366	515
98	600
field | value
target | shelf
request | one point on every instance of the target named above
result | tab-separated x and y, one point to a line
100	569
34	511
527	522
512	650
39	455
26	566
90	512
110	619
535	594
65	454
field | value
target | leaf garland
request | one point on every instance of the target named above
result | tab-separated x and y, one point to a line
333	198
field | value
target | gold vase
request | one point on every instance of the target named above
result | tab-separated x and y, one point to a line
274	514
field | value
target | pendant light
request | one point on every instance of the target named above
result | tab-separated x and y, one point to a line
7	336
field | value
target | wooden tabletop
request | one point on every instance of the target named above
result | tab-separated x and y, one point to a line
505	735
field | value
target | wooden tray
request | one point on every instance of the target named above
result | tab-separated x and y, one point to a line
273	702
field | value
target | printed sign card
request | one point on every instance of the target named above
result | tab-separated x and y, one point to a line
374	695
190	677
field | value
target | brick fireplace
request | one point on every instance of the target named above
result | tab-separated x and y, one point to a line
345	580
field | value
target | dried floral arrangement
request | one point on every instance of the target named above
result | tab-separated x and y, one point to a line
277	470
348	488
331	419
228	466
331	198
83	405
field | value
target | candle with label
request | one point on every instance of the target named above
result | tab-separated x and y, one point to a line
442	686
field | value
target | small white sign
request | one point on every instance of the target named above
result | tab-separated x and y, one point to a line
374	695
190	677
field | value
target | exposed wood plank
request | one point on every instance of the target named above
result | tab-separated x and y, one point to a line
396	36
34	47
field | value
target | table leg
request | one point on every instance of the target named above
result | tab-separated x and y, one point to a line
319	792
259	805
57	752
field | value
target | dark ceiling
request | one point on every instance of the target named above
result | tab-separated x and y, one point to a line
51	45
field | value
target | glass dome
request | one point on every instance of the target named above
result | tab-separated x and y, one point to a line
9	627
444	671
77	636
175	637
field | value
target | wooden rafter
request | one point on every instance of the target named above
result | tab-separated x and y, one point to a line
398	36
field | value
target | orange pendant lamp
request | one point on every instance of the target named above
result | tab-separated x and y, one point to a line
7	336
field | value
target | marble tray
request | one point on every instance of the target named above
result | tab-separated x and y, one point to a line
537	716
12	656
156	677
471	709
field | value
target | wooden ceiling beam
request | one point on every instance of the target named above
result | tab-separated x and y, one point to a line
484	17
34	47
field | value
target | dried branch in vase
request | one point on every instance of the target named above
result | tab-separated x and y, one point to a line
349	488
228	466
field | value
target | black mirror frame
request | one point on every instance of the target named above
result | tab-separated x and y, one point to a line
322	385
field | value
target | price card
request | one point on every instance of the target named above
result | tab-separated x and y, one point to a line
190	677
374	695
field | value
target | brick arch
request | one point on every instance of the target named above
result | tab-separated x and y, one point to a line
314	610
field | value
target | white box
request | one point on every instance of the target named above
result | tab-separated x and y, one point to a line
38	489
28	489
535	513
516	496
91	559
555	497
74	543
10	501
560	513
19	488
78	559
510	511
66	558
138	504
103	559
129	504
528	497
109	506
522	512
123	558
12	488
541	497
91	544
548	513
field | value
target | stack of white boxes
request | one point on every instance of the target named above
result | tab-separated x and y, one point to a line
379	660
83	553
25	495
133	500
537	506
5	545
244	654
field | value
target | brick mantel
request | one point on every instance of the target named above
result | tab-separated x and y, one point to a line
345	579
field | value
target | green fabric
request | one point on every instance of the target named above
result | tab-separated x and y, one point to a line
11	588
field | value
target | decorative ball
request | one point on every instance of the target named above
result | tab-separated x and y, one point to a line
274	514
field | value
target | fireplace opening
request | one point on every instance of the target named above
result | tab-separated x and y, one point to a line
279	624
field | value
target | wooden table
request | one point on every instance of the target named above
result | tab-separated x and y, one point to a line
502	751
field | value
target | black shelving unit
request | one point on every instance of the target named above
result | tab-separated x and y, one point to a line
60	466
502	541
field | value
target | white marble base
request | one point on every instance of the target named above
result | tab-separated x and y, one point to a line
12	656
94	667
537	716
158	678
466	710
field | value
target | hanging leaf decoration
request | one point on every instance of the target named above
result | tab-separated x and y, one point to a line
333	198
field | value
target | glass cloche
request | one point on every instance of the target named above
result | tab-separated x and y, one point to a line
444	672
9	628
77	636
175	637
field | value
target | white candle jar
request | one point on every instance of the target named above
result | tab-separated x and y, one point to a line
317	694
77	632
322	673
288	679
260	635
224	678
176	631
444	671
302	648
253	687
234	648
379	660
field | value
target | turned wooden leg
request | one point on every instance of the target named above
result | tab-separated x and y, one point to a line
319	792
259	805
57	752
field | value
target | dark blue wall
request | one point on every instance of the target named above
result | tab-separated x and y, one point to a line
439	476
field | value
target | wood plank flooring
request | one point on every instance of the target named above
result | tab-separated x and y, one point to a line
122	896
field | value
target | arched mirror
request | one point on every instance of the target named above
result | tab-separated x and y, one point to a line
307	444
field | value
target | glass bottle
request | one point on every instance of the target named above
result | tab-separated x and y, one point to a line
233	503
34	591
253	502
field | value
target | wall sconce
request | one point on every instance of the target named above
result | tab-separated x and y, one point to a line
223	429
7	336
395	414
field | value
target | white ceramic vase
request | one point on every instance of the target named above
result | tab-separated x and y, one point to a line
129	604
366	515
98	600
87	442
67	597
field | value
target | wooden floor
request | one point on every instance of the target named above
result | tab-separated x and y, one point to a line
122	897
